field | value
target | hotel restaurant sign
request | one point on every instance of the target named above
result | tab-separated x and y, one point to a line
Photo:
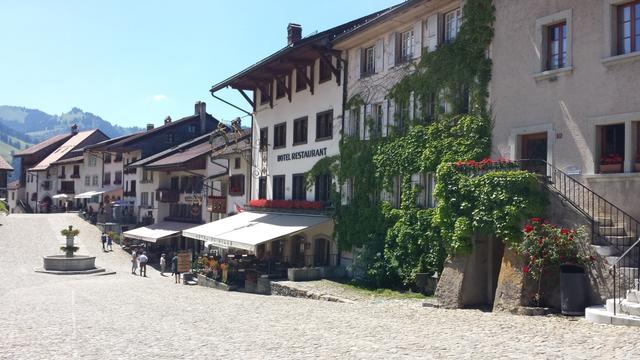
296	155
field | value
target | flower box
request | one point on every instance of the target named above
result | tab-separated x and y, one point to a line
610	168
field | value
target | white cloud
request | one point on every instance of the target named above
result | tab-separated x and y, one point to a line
160	98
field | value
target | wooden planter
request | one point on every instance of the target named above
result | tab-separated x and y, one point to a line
611	168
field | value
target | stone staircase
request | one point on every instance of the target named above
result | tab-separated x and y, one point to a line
611	240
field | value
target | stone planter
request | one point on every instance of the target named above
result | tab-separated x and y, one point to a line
610	168
66	263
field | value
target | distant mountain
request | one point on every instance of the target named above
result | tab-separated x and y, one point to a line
21	127
38	125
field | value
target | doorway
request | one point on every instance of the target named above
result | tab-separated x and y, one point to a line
533	150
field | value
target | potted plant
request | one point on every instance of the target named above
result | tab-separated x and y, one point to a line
611	163
549	248
70	234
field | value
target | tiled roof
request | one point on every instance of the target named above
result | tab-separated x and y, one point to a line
69	160
14	185
62	150
182	156
103	144
170	151
41	146
4	165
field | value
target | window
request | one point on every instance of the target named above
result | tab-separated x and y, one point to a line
107	158
264	138
147	176
237	164
262	187
452	21
299	191
62	172
94	180
192	128
402	116
278	187
428	108
67	187
265	94
133	188
76	172
281	91
300	131
404	45
368	66
236	185
280	136
323	187
106	179
427	184
301	82
87	180
377	114
325	70
185	184
92	161
324	125
170	139
175	183
612	148
354	122
628	27
118	178
557	46
144	199
118	158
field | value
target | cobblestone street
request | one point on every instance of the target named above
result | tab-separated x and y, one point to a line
123	316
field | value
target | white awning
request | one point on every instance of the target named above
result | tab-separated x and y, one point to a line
60	196
248	229
155	232
86	195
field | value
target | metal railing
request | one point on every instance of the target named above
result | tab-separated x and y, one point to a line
613	230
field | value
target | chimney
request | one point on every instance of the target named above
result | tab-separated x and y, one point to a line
294	33
167	120
201	109
74	129
149	127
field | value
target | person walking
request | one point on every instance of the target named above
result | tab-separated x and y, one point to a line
174	268
134	262
143	259
109	243
163	264
103	238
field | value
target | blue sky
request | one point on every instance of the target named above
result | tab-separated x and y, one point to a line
135	62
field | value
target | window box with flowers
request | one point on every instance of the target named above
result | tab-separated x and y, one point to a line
611	163
546	249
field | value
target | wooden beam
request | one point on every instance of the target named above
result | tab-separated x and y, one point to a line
287	90
334	69
303	71
246	97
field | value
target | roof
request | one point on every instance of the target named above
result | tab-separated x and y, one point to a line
69	160
14	185
4	165
182	156
63	149
142	134
172	150
248	229
155	232
383	16
43	145
110	141
309	48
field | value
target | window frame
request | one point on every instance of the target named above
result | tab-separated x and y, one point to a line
262	187
280	90
237	164
298	190
277	136
634	33
324	71
326	118
280	181
304	122
449	16
301	85
323	182
562	45
368	62
264	138
236	189
405	47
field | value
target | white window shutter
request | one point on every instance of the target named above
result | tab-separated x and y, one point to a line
417	39
378	55
366	131
391	115
357	63
391	50
433	29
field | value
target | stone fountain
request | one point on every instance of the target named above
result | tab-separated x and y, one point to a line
69	263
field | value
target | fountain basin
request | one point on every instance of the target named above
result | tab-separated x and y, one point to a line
64	263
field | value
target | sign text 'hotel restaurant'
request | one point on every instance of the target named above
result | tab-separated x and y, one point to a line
302	154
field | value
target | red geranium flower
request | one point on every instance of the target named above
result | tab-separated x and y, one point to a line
528	228
564	231
535	220
525	269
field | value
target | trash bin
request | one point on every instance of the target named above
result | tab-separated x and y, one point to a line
573	290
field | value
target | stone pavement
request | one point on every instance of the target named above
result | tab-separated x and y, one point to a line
124	316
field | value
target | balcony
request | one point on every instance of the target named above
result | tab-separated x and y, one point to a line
66	191
117	182
167	195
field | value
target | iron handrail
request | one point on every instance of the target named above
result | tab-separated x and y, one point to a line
614	233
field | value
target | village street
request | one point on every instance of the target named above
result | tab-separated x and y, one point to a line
123	316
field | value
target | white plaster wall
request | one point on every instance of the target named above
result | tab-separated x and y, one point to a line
327	96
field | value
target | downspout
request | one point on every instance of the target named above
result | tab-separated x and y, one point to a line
345	78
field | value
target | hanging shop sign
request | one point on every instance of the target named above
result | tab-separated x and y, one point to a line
217	204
